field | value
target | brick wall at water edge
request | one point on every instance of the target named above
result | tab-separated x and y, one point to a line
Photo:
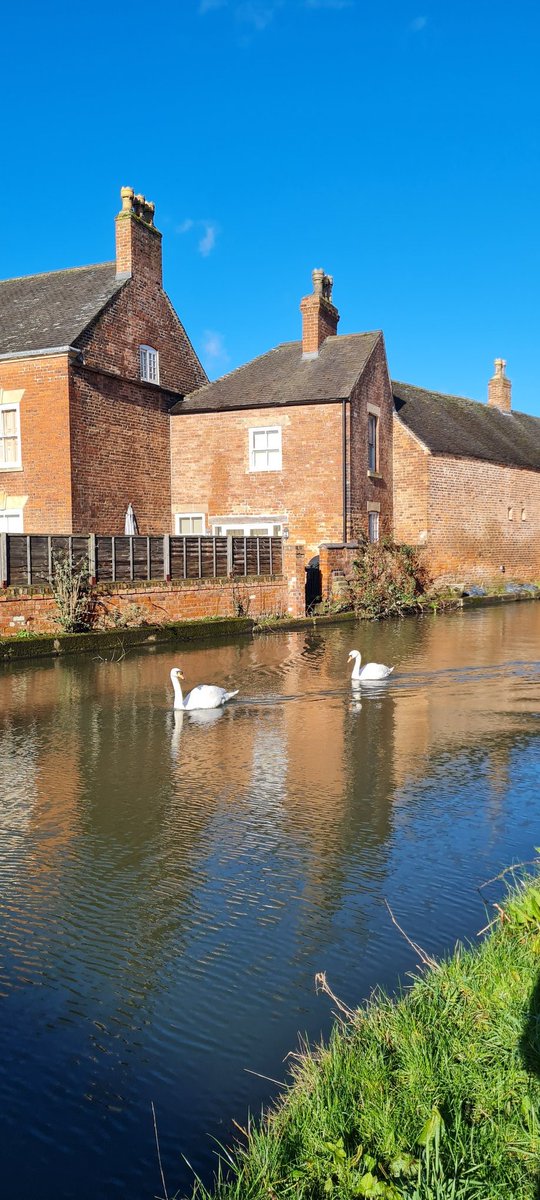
157	603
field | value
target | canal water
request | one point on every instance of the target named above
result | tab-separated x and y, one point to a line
170	887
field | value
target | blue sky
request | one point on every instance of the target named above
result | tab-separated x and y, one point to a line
396	145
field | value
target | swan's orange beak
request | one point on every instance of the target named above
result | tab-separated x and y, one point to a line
180	674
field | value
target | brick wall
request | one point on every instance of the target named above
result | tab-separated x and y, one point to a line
472	517
373	389
335	564
141	314
158	603
210	469
43	484
482	516
120	454
411	467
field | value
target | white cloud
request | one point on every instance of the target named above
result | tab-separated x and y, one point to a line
206	6
214	347
256	13
335	4
208	240
418	24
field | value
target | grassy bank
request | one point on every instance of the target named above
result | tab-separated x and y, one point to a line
435	1096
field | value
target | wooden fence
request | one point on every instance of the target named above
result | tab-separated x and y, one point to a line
27	559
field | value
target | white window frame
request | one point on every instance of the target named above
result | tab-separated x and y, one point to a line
12	512
258	429
193	516
225	526
12	466
149	364
373	526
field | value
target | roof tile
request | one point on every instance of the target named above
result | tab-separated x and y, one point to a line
461	428
283	377
40	312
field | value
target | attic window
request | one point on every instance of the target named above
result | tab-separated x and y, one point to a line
149	362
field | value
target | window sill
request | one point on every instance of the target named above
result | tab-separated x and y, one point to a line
374	475
11	467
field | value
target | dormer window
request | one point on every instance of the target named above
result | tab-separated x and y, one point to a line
149	361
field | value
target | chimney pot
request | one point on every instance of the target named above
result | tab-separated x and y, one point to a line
127	195
319	316
500	388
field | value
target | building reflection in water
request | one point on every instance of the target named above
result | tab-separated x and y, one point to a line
181	877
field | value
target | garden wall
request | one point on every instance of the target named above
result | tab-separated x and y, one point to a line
32	611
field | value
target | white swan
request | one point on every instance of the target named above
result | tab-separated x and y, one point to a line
371	672
205	695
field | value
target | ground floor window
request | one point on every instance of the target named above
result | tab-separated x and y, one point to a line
373	526
189	523
11	520
247	529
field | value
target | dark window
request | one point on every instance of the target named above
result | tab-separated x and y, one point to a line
372	442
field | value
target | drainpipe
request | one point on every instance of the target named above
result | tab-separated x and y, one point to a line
344	464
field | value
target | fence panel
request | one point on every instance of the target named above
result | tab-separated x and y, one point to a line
30	557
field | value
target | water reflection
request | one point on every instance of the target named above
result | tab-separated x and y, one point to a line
172	882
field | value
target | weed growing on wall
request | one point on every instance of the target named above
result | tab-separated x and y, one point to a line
387	580
70	586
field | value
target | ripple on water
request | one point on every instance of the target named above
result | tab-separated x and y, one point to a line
171	886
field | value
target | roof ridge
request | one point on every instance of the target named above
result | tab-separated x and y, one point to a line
61	271
432	392
514	412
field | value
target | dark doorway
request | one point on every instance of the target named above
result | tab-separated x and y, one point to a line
313	583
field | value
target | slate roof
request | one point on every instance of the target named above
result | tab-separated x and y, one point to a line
283	377
452	425
40	312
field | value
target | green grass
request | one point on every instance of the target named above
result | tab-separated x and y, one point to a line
433	1096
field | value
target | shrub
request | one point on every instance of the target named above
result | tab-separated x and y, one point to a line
387	580
70	586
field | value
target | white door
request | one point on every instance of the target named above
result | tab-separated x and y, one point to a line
11	520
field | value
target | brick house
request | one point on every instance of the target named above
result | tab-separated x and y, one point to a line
296	442
467	482
91	361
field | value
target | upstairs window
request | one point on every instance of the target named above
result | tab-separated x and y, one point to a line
10	437
265	449
149	360
372	442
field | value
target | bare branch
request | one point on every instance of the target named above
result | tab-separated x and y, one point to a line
427	960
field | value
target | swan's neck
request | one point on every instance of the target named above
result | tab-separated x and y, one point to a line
356	668
178	697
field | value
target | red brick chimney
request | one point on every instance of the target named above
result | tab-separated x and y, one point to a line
500	388
319	316
138	242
